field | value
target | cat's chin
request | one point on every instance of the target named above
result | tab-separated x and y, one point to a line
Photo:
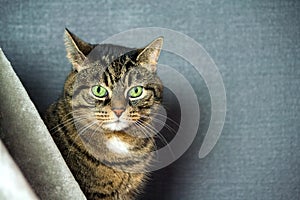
116	126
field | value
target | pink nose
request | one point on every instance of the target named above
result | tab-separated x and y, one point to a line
118	111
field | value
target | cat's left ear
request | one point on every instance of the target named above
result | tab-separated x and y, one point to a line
77	49
148	57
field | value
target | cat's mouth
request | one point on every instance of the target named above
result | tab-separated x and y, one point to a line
116	125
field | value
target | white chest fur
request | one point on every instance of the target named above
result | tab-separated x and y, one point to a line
116	145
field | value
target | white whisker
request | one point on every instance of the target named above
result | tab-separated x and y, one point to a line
157	133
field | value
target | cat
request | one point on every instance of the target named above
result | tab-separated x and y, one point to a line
102	121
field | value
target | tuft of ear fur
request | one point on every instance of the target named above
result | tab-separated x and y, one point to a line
148	57
77	49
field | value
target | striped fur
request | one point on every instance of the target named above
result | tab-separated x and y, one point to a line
77	121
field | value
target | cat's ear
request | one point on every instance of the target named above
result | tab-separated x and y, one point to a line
77	49
148	57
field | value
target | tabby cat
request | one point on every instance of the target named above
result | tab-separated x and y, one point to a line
101	123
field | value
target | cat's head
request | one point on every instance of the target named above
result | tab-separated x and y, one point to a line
114	87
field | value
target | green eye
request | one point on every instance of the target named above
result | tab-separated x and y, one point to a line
135	91
99	91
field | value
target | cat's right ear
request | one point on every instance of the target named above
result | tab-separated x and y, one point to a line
77	49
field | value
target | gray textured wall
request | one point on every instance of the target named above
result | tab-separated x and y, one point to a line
256	46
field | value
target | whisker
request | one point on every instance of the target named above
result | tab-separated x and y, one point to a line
141	126
67	122
95	131
165	124
149	128
81	132
155	113
144	131
65	116
158	134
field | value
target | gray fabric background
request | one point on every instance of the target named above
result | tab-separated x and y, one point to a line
30	145
256	46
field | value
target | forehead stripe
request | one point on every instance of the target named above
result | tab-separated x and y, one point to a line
105	78
109	76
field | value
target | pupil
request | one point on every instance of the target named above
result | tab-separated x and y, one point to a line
136	90
98	89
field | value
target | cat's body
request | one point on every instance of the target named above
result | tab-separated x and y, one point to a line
101	123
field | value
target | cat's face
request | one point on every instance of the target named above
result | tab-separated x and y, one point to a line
116	87
117	102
